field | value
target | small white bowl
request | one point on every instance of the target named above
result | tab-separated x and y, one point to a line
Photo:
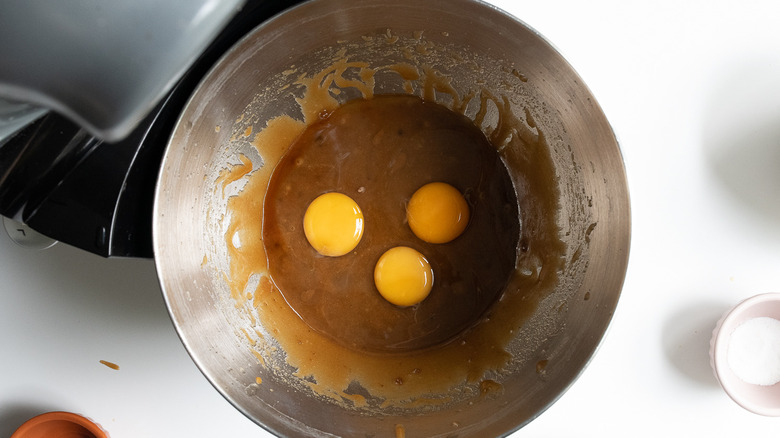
762	400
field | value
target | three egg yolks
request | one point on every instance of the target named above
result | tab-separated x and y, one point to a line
436	213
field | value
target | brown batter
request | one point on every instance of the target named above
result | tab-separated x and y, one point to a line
378	152
466	368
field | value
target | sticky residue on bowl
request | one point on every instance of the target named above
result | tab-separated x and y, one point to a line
431	377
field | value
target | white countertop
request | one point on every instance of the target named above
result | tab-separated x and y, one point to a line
692	90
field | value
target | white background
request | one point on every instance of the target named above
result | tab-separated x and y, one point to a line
692	90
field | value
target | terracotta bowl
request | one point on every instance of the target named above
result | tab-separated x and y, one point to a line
59	425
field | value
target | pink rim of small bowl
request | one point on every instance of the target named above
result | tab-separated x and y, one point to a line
762	400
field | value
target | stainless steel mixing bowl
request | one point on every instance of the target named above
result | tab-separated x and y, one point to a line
486	62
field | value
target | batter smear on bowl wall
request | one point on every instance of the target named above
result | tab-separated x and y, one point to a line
346	339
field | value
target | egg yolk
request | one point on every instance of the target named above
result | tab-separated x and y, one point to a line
403	276
333	224
437	213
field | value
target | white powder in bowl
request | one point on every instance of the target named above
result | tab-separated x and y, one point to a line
754	351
